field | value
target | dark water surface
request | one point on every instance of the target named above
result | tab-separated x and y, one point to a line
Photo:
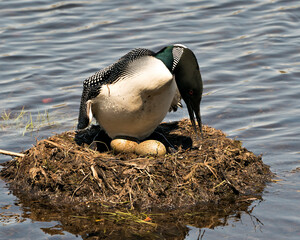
249	55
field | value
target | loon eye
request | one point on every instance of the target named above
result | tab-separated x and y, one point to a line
191	92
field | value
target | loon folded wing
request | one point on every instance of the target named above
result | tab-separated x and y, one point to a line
110	74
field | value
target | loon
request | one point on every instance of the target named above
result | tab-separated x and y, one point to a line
132	96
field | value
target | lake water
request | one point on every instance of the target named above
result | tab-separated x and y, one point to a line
249	55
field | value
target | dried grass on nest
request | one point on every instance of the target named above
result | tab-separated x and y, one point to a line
62	172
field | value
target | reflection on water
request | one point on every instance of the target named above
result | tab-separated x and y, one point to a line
248	53
104	224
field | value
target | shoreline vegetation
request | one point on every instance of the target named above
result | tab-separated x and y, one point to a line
25	121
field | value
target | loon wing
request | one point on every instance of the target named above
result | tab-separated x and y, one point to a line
110	74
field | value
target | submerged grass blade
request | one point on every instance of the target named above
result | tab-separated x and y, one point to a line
130	217
6	115
21	115
25	120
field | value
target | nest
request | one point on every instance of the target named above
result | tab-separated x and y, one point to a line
65	169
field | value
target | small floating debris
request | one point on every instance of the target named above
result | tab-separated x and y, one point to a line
64	171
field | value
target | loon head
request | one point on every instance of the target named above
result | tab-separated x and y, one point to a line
183	64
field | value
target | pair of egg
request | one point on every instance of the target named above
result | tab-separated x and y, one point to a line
148	147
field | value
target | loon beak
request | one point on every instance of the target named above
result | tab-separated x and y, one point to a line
194	110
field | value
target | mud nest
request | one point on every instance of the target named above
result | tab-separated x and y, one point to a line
64	169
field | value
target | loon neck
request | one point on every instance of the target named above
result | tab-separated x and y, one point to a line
166	56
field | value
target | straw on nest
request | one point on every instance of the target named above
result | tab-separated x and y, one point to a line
61	172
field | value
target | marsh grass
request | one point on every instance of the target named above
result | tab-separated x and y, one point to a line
25	121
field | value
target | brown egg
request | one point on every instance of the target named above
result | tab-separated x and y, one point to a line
119	145
151	147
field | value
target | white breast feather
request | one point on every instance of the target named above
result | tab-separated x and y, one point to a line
136	103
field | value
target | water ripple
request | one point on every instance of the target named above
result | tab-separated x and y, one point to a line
248	54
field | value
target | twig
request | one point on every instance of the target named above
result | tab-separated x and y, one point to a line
95	175
11	153
130	198
211	169
53	143
99	142
234	189
150	177
221	183
80	184
191	173
62	146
